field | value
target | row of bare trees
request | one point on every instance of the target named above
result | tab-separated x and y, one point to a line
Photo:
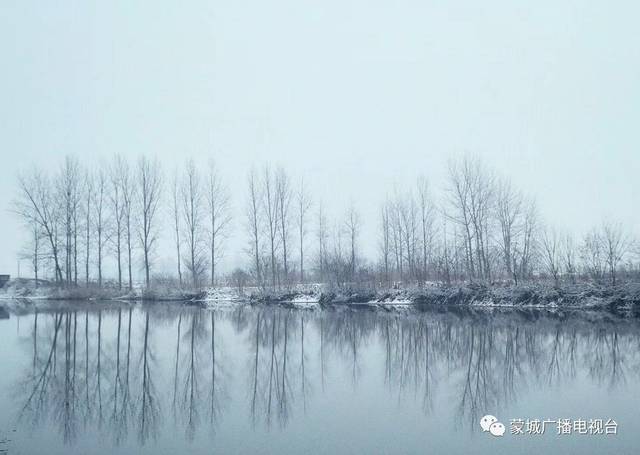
201	216
78	216
602	254
487	230
482	229
407	234
276	210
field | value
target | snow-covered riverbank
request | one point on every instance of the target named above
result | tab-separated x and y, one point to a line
619	298
624	298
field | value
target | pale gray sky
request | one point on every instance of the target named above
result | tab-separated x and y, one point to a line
355	95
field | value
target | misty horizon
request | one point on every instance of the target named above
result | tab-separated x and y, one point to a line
354	99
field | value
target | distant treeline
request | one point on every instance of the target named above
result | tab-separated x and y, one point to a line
482	229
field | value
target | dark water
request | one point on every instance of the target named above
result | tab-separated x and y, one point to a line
169	379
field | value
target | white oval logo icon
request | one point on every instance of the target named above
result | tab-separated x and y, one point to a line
497	429
487	421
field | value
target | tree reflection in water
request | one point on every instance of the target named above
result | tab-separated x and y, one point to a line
118	370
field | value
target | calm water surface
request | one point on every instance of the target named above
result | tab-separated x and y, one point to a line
170	379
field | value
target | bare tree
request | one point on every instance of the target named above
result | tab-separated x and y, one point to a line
192	209
569	257
616	245
283	203
68	186
338	264
410	228
175	208
303	205
36	205
525	246
445	260
385	240
551	253
100	224
352	226
88	205
117	212
127	189
149	192
593	256
460	207
405	234
219	216
427	222
270	204
397	235
509	211
35	258
253	222
32	252
322	236
471	195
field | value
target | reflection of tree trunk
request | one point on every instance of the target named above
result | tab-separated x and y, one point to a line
116	381
284	404
147	399
387	344
118	344
400	338
615	358
322	358
192	377
304	393
35	341
572	354
68	405
427	370
98	367
126	406
55	362
467	387
175	377
86	360
42	380
255	371
213	365
553	368
75	333
271	371
354	350
144	376
510	362
478	382
128	347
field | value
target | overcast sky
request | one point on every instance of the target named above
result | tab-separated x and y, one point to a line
358	96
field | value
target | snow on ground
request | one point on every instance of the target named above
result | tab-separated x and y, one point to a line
392	297
300	296
19	288
305	300
534	295
307	295
223	296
